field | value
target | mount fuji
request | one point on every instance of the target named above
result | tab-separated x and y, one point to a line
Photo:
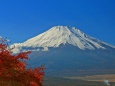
63	49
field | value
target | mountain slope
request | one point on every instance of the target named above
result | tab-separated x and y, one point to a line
58	35
66	50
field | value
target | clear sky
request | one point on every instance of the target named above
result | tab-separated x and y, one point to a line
23	19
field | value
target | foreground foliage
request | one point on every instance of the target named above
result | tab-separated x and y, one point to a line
13	71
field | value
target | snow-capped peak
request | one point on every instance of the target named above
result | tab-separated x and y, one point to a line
58	35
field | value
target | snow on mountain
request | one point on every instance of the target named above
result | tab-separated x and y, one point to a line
58	35
0	37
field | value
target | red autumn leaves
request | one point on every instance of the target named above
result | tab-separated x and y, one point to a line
13	71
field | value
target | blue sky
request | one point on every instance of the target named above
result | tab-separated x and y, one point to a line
23	19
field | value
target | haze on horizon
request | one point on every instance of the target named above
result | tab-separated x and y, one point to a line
23	19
